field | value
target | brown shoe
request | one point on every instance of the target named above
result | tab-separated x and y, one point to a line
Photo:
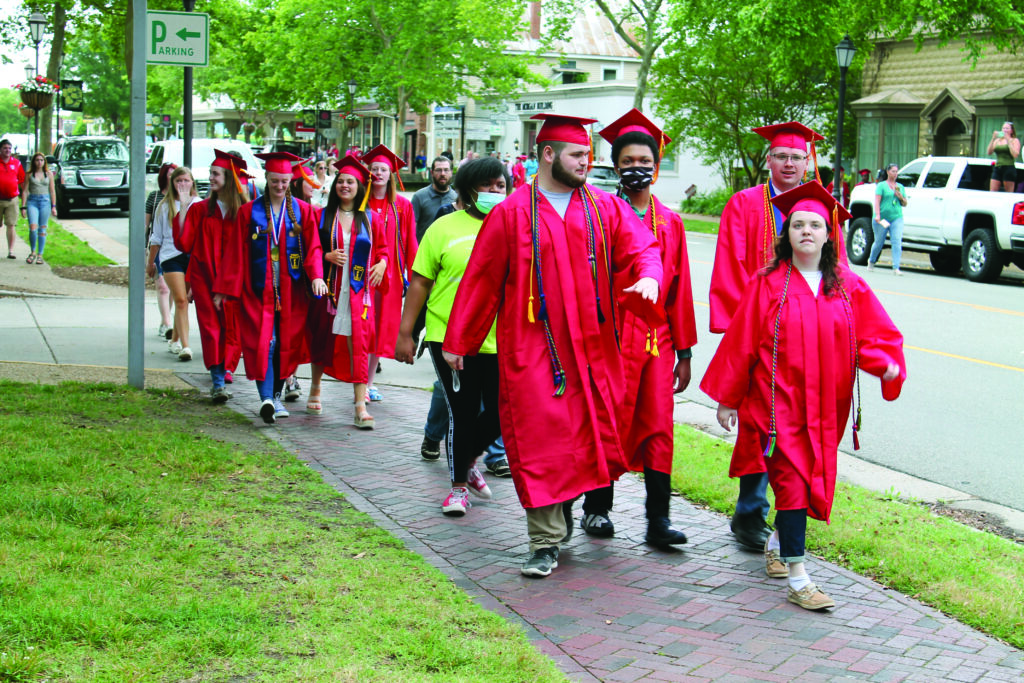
773	566
809	597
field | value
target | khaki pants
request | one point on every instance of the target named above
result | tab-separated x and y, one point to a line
9	210
546	525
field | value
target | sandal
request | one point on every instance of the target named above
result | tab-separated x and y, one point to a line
39	260
313	405
31	258
363	419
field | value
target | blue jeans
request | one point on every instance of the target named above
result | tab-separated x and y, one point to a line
792	528
895	231
217	375
753	496
270	386
38	214
495	452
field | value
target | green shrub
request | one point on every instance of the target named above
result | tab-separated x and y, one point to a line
710	204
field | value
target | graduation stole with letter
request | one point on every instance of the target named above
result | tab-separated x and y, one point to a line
590	212
358	260
265	235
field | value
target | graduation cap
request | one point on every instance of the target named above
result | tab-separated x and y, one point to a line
634	121
278	162
792	134
351	165
230	162
381	154
559	128
814	198
299	170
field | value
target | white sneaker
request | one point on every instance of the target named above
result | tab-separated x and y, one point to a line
267	411
174	347
185	354
162	331
279	409
476	483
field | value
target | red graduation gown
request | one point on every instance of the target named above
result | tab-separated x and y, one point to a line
558	447
813	382
346	358
256	315
746	244
647	401
399	223
206	238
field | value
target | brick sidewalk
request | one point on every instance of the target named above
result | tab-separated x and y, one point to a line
616	609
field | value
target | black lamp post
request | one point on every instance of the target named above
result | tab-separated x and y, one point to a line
844	56
346	141
30	73
36	23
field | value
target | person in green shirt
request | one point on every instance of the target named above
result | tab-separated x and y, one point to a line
437	271
890	198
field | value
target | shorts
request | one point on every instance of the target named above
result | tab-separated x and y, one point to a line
177	264
1005	174
9	209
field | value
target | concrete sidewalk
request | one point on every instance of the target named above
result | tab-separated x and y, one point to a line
616	609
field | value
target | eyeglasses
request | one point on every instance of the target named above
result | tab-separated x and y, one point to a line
783	158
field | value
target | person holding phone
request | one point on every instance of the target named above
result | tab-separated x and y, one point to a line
1006	146
890	198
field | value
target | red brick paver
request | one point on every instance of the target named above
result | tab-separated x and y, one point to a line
616	609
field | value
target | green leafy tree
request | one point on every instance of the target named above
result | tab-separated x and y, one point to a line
11	120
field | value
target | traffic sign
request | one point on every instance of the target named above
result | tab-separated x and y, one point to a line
180	38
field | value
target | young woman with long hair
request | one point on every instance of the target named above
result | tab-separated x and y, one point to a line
205	234
163	292
788	365
400	231
1006	146
40	200
355	261
273	267
181	193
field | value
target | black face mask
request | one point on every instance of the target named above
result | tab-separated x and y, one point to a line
636	177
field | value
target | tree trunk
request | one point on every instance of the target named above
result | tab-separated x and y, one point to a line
641	78
52	72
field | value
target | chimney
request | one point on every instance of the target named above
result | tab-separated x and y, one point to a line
535	20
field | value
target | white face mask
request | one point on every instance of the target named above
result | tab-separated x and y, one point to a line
485	201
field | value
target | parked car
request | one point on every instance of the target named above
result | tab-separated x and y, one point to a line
173	151
603	177
90	172
951	215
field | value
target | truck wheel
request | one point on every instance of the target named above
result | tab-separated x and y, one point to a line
859	241
980	260
945	261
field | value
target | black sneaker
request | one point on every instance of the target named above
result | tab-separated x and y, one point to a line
567	514
598	525
219	395
292	390
499	468
661	533
430	449
541	562
267	411
751	530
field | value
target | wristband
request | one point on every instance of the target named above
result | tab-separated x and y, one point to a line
684	354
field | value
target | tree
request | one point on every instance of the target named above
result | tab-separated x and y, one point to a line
11	120
642	24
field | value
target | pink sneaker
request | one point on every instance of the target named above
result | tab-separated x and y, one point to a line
457	502
476	483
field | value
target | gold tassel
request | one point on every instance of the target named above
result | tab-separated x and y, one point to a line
366	198
366	308
654	344
647	343
661	155
529	304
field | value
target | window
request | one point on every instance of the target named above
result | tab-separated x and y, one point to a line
900	144
938	175
610	75
987	124
976	177
867	145
668	161
909	176
570	77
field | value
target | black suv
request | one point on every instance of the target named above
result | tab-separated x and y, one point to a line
91	172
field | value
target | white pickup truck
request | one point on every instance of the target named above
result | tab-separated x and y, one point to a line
951	215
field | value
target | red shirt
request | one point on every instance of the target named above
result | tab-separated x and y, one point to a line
12	176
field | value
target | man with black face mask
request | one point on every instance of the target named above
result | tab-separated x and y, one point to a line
652	371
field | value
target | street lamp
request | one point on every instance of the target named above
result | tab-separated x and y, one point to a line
36	23
844	56
30	72
346	142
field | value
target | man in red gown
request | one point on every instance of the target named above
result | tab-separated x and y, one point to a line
746	243
656	358
545	263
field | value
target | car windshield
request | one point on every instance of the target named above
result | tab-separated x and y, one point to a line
94	150
202	155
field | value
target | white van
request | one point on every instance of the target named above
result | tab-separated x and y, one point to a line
172	151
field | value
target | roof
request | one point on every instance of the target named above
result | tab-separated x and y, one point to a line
1014	91
591	33
897	96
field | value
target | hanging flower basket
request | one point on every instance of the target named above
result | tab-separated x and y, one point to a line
38	92
351	120
27	112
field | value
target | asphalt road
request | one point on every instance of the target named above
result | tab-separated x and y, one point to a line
958	421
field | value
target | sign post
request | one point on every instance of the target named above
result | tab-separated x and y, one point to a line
181	39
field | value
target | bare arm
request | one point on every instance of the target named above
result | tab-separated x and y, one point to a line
419	290
878	207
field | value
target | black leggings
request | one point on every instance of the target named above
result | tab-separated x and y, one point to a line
470	431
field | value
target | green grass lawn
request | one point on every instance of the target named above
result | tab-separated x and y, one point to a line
149	536
64	248
698	225
976	577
